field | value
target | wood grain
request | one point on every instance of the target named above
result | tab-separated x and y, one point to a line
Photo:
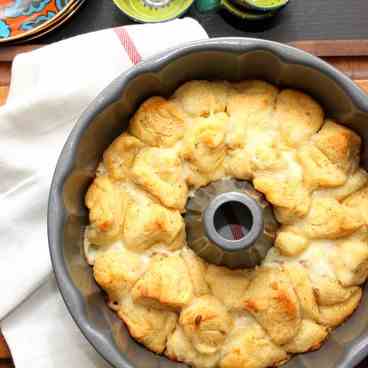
6	364
4	351
5	70
323	48
3	94
8	53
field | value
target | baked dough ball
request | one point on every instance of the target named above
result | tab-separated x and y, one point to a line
358	202
159	171
149	326
330	156
252	139
340	144
116	271
119	157
179	348
298	276
204	149
287	193
158	123
354	183
106	202
309	337
298	115
197	269
327	315
328	219
227	285
206	323
271	299
289	243
261	153
350	261
165	284
250	347
156	225
203	98
334	315
329	291
250	111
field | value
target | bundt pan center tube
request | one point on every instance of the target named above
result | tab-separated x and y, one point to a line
232	59
250	221
237	225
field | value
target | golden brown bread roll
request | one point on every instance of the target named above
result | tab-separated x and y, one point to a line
149	326
250	347
271	299
165	284
288	194
328	219
179	348
298	115
202	98
116	271
358	202
227	285
334	315
309	337
250	111
160	173
298	275
197	270
252	139
329	291
289	243
156	225
204	149
330	156
107	204
328	315
206	323
354	183
119	157
350	260
340	145
158	123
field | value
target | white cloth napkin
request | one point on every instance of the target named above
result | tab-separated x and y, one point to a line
50	88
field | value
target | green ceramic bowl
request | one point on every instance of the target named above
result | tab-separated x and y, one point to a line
139	12
263	5
246	14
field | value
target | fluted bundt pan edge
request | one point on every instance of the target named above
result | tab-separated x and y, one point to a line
225	59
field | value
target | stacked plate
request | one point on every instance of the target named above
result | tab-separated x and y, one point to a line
25	20
250	10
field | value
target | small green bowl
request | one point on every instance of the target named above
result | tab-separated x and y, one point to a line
139	12
246	14
263	5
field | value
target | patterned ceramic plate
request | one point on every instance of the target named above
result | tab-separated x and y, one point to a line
21	18
46	30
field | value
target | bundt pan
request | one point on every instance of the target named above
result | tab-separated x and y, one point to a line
225	59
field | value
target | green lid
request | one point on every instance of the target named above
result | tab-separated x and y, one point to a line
246	14
207	5
153	11
263	5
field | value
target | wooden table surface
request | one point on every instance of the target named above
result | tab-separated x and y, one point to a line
355	66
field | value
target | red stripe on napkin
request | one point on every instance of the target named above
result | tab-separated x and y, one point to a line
128	44
236	231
